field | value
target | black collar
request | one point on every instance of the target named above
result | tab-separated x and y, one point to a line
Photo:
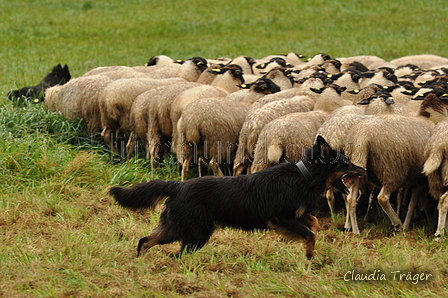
304	172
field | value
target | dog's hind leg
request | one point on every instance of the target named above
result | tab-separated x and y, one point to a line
159	236
304	230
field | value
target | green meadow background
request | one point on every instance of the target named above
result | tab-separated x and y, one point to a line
61	235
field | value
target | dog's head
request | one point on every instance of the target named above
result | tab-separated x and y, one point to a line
338	167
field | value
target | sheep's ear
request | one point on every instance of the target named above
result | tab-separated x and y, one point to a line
317	90
340	90
356	91
364	102
244	86
262	66
217	71
367	75
389	100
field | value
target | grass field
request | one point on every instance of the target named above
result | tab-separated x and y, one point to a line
63	236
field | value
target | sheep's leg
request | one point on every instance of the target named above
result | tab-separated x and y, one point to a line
372	197
415	195
351	202
400	195
330	200
443	209
214	165
185	166
130	146
383	200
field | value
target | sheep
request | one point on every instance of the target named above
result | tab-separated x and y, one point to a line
227	81
150	118
245	62
192	68
304	85
186	97
209	129
262	67
424	61
79	98
335	130
329	98
282	94
58	76
371	62
436	169
382	77
255	122
281	76
284	139
255	91
382	103
393	155
159	60
317	59
116	101
229	77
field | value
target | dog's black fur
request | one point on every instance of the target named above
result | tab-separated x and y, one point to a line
281	198
58	76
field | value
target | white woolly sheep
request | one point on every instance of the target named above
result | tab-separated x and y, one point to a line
209	130
436	169
116	101
371	62
284	139
393	155
79	98
150	118
424	61
255	122
329	98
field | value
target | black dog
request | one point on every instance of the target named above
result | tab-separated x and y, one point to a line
279	198
58	76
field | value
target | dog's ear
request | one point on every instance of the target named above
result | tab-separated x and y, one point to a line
321	147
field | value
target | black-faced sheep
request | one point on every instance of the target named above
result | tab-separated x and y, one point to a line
116	101
79	98
58	76
436	169
209	130
255	91
329	98
185	98
150	120
424	61
281	76
255	122
393	155
284	139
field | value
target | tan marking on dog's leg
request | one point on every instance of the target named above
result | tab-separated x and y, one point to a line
383	200
443	210
313	224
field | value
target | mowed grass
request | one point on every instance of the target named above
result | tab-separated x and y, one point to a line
62	235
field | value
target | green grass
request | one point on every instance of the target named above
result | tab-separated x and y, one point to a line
63	236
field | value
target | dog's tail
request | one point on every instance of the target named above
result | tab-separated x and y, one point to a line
143	195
